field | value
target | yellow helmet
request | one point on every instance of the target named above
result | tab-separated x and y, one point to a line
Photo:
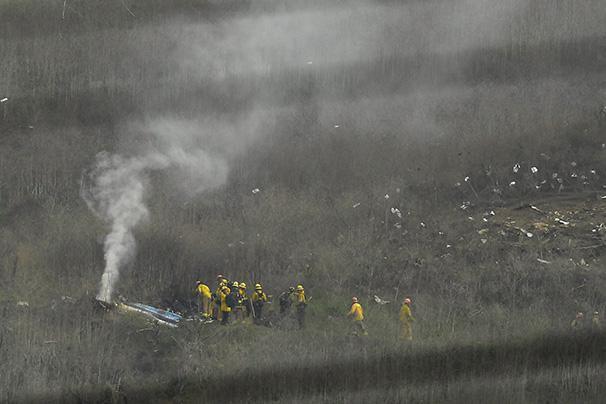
242	285
235	284
299	288
258	286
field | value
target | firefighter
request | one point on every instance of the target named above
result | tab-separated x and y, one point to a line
406	320
244	302
579	322
259	298
235	301
216	297
204	299
595	321
286	300
356	313
224	304
301	304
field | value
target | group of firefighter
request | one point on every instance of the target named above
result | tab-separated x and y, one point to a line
231	302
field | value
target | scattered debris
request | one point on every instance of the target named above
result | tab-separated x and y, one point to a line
536	209
165	317
381	301
256	191
534	170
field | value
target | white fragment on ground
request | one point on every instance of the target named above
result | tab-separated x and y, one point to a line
386	196
467	179
337	126
22	304
484	241
542	261
4	100
423	225
516	168
355	205
534	170
512	183
256	191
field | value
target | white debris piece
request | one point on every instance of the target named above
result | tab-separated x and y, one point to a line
560	221
386	196
465	205
483	240
337	126
512	183
592	172
396	212
485	220
23	304
380	301
397	226
448	246
256	191
516	168
543	261
309	62
423	225
355	205
574	175
4	100
534	170
457	184
492	213
470	217
467	179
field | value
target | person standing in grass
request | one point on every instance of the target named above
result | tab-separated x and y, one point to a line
595	321
578	323
406	320
356	312
259	298
204	299
301	304
286	301
224	305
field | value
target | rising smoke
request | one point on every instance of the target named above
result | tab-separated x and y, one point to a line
118	187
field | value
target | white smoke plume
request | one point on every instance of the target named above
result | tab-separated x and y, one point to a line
117	194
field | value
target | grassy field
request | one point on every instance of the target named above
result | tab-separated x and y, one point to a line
399	149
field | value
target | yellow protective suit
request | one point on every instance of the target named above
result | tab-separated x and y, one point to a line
223	296
357	312
406	320
205	296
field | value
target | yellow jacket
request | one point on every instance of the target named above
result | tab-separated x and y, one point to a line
223	296
406	315
259	296
357	312
204	290
300	298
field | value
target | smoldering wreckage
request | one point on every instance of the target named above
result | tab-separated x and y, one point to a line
578	216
